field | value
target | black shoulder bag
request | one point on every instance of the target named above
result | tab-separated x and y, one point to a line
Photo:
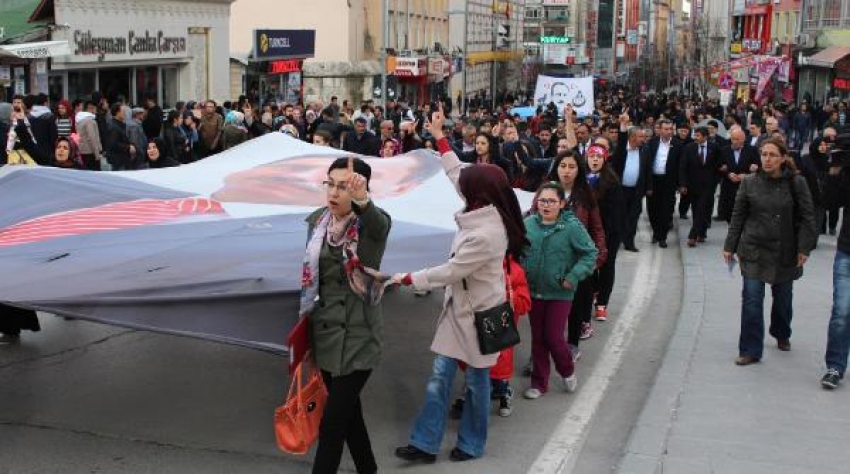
495	326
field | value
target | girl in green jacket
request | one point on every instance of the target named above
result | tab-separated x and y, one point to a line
561	255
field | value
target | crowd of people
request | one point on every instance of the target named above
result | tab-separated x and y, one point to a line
781	183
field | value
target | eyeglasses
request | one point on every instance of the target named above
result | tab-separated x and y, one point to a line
330	185
548	202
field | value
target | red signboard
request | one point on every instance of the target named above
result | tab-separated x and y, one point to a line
841	83
283	67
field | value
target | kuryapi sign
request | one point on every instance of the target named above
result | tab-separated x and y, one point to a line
134	43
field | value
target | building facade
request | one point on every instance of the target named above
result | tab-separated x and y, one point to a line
489	33
349	35
165	50
824	51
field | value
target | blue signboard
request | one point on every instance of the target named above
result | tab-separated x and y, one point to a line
284	44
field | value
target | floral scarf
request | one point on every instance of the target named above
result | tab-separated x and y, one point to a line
365	282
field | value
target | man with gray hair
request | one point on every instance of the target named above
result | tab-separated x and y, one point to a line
736	161
632	162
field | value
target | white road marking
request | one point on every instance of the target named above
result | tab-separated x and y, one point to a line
560	453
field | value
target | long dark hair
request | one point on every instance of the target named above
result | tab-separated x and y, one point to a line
580	194
484	185
608	181
492	150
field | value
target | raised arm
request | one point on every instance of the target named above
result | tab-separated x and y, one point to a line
451	163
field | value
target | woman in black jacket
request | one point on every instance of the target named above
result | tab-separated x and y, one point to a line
605	185
772	231
487	152
158	156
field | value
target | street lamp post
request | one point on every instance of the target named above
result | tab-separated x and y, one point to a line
385	33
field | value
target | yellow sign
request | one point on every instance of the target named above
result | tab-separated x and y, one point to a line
492	56
264	43
735	48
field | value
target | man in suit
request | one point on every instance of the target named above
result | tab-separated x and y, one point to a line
736	161
632	164
756	136
697	175
683	133
583	138
664	151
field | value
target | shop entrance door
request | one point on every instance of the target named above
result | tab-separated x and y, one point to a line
114	83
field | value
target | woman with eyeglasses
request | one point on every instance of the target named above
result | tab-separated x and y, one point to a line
570	171
561	255
347	235
772	232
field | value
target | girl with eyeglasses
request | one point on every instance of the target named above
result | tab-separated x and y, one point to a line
561	255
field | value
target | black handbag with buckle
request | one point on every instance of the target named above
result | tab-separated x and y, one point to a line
495	326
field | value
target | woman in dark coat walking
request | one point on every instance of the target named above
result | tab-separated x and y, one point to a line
772	232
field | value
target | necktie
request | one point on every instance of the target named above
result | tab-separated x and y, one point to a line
702	154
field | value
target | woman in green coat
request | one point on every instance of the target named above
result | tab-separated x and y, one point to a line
347	239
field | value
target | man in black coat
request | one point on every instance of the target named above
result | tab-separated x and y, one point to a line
152	124
683	133
118	149
697	177
361	141
632	164
664	151
42	124
736	161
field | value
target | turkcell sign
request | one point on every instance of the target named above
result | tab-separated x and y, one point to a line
284	44
555	39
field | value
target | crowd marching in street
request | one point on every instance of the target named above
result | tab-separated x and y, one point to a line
778	174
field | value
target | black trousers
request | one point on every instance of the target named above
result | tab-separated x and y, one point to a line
660	206
684	205
604	278
342	423
634	207
580	310
702	203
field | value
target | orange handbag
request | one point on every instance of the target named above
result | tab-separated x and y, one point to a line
296	423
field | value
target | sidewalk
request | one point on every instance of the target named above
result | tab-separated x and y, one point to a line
707	415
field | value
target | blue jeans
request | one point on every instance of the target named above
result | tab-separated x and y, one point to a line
430	425
751	342
838	336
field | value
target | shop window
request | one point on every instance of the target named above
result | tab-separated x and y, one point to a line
170	86
81	84
56	88
147	83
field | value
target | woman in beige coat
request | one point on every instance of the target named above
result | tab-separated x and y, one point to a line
489	228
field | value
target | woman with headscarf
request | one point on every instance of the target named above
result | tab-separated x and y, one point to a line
66	155
157	155
189	127
490	228
234	132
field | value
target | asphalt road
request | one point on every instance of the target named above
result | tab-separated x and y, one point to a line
80	397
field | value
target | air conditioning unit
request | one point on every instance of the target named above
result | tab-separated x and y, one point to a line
805	40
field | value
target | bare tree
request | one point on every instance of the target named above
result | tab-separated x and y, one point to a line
705	47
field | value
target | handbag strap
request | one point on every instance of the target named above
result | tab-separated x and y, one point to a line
505	262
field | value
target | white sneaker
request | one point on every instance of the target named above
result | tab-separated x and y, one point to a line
576	352
532	393
570	383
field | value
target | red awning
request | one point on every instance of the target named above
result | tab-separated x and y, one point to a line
828	57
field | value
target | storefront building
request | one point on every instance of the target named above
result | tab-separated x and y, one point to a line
166	50
275	67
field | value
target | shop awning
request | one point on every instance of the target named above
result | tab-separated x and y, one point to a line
828	57
37	50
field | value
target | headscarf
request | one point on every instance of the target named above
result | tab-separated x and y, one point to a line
598	150
74	160
236	119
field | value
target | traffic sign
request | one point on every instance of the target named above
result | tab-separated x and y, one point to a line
726	81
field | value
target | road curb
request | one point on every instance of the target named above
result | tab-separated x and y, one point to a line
648	441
